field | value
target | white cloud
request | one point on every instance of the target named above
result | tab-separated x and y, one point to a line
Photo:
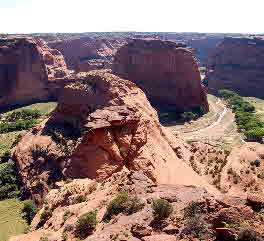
137	15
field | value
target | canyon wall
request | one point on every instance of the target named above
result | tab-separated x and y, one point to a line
167	72
85	53
237	64
29	71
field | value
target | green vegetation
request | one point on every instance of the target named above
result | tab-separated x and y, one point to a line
24	114
86	224
67	214
162	209
11	134
17	125
9	187
124	204
45	215
11	220
247	122
79	199
192	210
202	69
187	116
29	210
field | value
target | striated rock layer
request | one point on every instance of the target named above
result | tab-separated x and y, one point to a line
166	71
86	54
29	70
102	125
237	64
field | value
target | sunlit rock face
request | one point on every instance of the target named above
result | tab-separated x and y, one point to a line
167	72
29	71
237	64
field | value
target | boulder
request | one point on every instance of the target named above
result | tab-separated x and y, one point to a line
237	64
167	72
29	71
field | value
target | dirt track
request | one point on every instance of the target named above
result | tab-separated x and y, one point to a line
217	127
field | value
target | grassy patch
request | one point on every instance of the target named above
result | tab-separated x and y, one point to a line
7	139
11	221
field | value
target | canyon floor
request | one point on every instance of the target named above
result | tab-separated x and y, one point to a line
217	127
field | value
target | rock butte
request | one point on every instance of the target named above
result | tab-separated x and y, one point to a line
86	54
167	72
237	64
29	71
118	129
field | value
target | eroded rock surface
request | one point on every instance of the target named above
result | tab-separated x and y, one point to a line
29	70
167	72
140	225
85	53
102	125
237	64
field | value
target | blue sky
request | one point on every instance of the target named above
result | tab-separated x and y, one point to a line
26	16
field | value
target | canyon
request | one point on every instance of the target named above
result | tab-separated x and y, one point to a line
237	64
29	71
104	141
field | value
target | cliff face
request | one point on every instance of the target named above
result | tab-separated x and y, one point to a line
85	53
237	64
166	71
27	69
102	125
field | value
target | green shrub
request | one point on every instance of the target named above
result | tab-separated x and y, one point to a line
29	210
188	116
248	235
9	187
45	215
17	140
79	199
224	93
133	205
6	156
66	215
25	114
86	224
117	205
124	204
162	209
17	125
192	210
255	134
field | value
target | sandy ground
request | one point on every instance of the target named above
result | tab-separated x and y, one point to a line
216	127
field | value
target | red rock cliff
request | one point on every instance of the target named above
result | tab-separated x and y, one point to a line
103	124
29	70
85	53
237	64
166	71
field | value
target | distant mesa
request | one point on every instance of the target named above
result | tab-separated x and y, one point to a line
167	72
29	70
237	64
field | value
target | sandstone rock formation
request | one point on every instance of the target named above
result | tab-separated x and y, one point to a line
218	217
237	64
85	53
166	71
29	70
103	124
